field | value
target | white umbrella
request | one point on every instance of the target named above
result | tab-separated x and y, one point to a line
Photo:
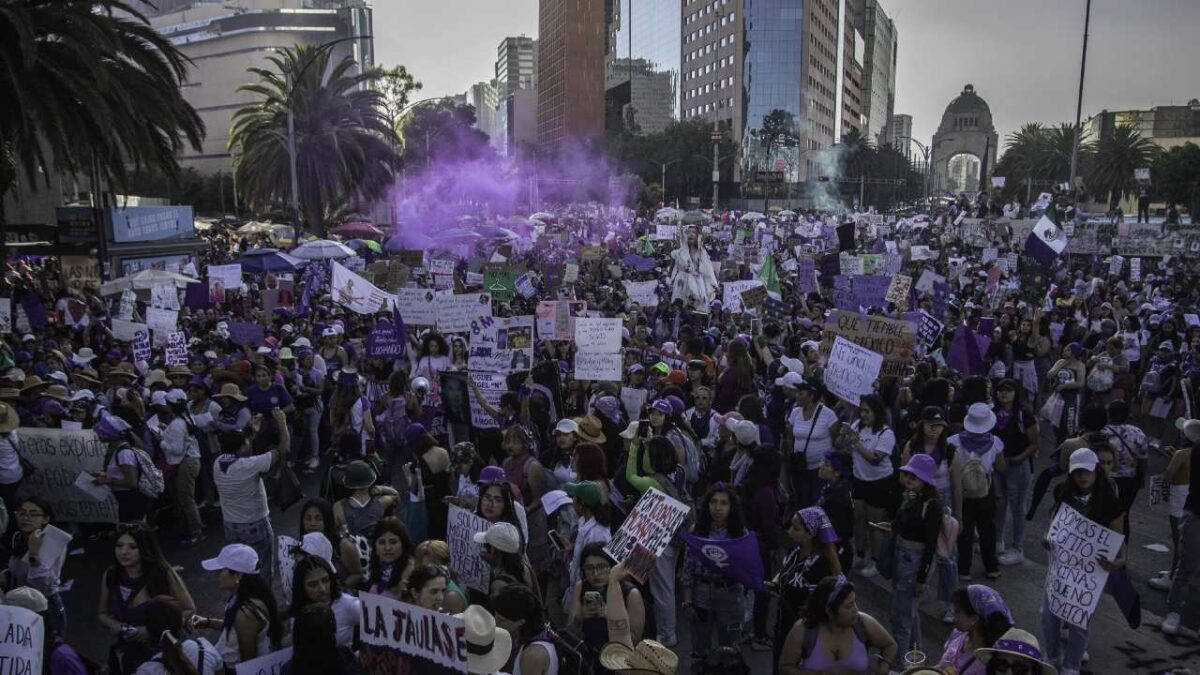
254	227
753	215
667	213
542	215
146	279
322	249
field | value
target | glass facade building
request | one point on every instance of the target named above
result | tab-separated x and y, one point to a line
643	65
772	100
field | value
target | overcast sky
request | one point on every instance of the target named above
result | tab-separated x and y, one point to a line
1021	55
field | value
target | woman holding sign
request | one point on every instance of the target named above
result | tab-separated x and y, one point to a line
1089	492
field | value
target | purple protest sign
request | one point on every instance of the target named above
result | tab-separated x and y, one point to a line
806	272
736	559
246	333
871	290
196	297
639	263
382	342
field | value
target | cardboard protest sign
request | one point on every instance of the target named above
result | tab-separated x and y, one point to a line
731	294
176	352
892	339
492	386
24	634
466	557
898	289
753	297
555	319
851	370
285	560
58	456
126	330
649	527
597	334
644	293
270	664
246	333
141	346
457	313
79	271
501	345
429	639
1074	578
354	292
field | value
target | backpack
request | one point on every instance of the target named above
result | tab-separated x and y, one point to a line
150	481
976	481
572	652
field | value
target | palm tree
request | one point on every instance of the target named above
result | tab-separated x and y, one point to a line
345	144
1117	155
88	86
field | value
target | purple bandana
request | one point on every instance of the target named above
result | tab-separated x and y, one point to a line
817	524
986	601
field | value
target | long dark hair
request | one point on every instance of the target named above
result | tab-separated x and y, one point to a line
738	360
254	587
390	525
329	528
510	509
824	599
155	569
305	565
314	645
735	524
516	602
763	472
994	626
875	404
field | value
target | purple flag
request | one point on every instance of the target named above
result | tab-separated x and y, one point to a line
399	328
737	559
964	353
1126	596
34	310
639	263
309	286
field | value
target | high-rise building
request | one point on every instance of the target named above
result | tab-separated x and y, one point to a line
516	64
782	75
223	40
1166	125
899	131
879	71
516	94
570	72
642	75
484	97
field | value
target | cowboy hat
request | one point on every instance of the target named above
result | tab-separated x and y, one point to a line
84	356
33	382
1017	643
232	391
179	371
649	657
590	429
157	376
9	393
88	375
8	418
488	647
57	392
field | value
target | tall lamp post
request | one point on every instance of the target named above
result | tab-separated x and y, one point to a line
925	155
663	183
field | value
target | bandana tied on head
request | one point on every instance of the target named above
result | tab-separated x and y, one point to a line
817	523
985	601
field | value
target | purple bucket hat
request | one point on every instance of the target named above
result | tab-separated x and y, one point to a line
922	466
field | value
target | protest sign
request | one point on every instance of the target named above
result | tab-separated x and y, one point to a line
57	457
418	306
382	342
441	266
989	254
917	253
429	637
650	524
492	386
141	346
246	333
753	297
598	366
457	313
892	339
1160	489
502	345
929	330
1074	578
285	560
664	232
271	664
165	296
898	289
927	279
1115	264
500	282
555	319
851	265
161	320
806	273
5	316
412	258
632	401
644	293
731	294
176	352
79	271
24	634
851	370
523	285
126	330
1135	269
230	276
597	334
354	292
466	557
571	272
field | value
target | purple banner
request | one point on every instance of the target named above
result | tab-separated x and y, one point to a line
34	310
640	263
196	297
735	559
806	270
246	333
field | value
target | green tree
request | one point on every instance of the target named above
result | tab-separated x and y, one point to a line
1175	176
88	83
1117	155
442	131
686	147
345	145
396	85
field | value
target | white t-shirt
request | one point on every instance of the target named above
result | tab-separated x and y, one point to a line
1133	342
10	462
885	442
821	440
240	487
191	648
347	612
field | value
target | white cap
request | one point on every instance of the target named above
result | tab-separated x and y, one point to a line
566	426
83	395
500	536
176	396
790	380
158	398
1190	428
302	342
1083	458
59	376
234	557
745	431
316	543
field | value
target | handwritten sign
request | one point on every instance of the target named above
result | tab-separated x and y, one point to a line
597	334
644	293
898	289
1160	489
162	320
176	353
892	339
664	232
80	271
1074	578
413	631
466	557
57	457
731	294
24	636
598	366
649	528
1135	269
230	276
141	346
851	371
456	313
492	386
418	306
126	330
501	345
929	330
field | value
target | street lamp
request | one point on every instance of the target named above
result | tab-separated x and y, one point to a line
925	154
663	183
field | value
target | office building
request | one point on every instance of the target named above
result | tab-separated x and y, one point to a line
223	40
483	97
879	71
899	131
516	95
570	72
516	64
1166	125
642	75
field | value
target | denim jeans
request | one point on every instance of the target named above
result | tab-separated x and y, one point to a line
717	607
1076	639
312	427
662	587
258	536
906	621
1189	561
1012	486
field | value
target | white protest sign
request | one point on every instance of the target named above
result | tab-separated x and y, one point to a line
125	331
851	265
286	562
851	370
1135	269
5	316
598	366
466	557
271	664
1115	264
523	285
165	296
501	345
898	289
927	279
24	636
57	457
161	320
441	266
571	272
492	386
922	253
664	232
141	346
643	293
633	400
230	275
457	313
1074	578
648	530
731	294
598	335
413	631
418	306
176	352
989	254
354	292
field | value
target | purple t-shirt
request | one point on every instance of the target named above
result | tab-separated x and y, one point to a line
264	400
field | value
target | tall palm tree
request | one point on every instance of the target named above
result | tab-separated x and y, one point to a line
88	86
1117	155
345	144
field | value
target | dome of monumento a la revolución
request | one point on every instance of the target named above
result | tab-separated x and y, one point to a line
967	110
965	147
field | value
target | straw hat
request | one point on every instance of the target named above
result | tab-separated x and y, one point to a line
9	393
32	382
157	376
88	375
232	391
649	657
590	429
1017	643
488	647
58	393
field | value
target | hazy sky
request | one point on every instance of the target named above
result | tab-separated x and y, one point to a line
1021	55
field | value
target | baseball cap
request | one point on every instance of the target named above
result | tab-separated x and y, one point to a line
158	398
500	536
176	396
588	492
1083	458
234	557
316	543
745	431
790	380
566	426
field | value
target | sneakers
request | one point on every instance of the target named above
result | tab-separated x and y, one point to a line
1013	556
948	615
1161	581
1170	625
